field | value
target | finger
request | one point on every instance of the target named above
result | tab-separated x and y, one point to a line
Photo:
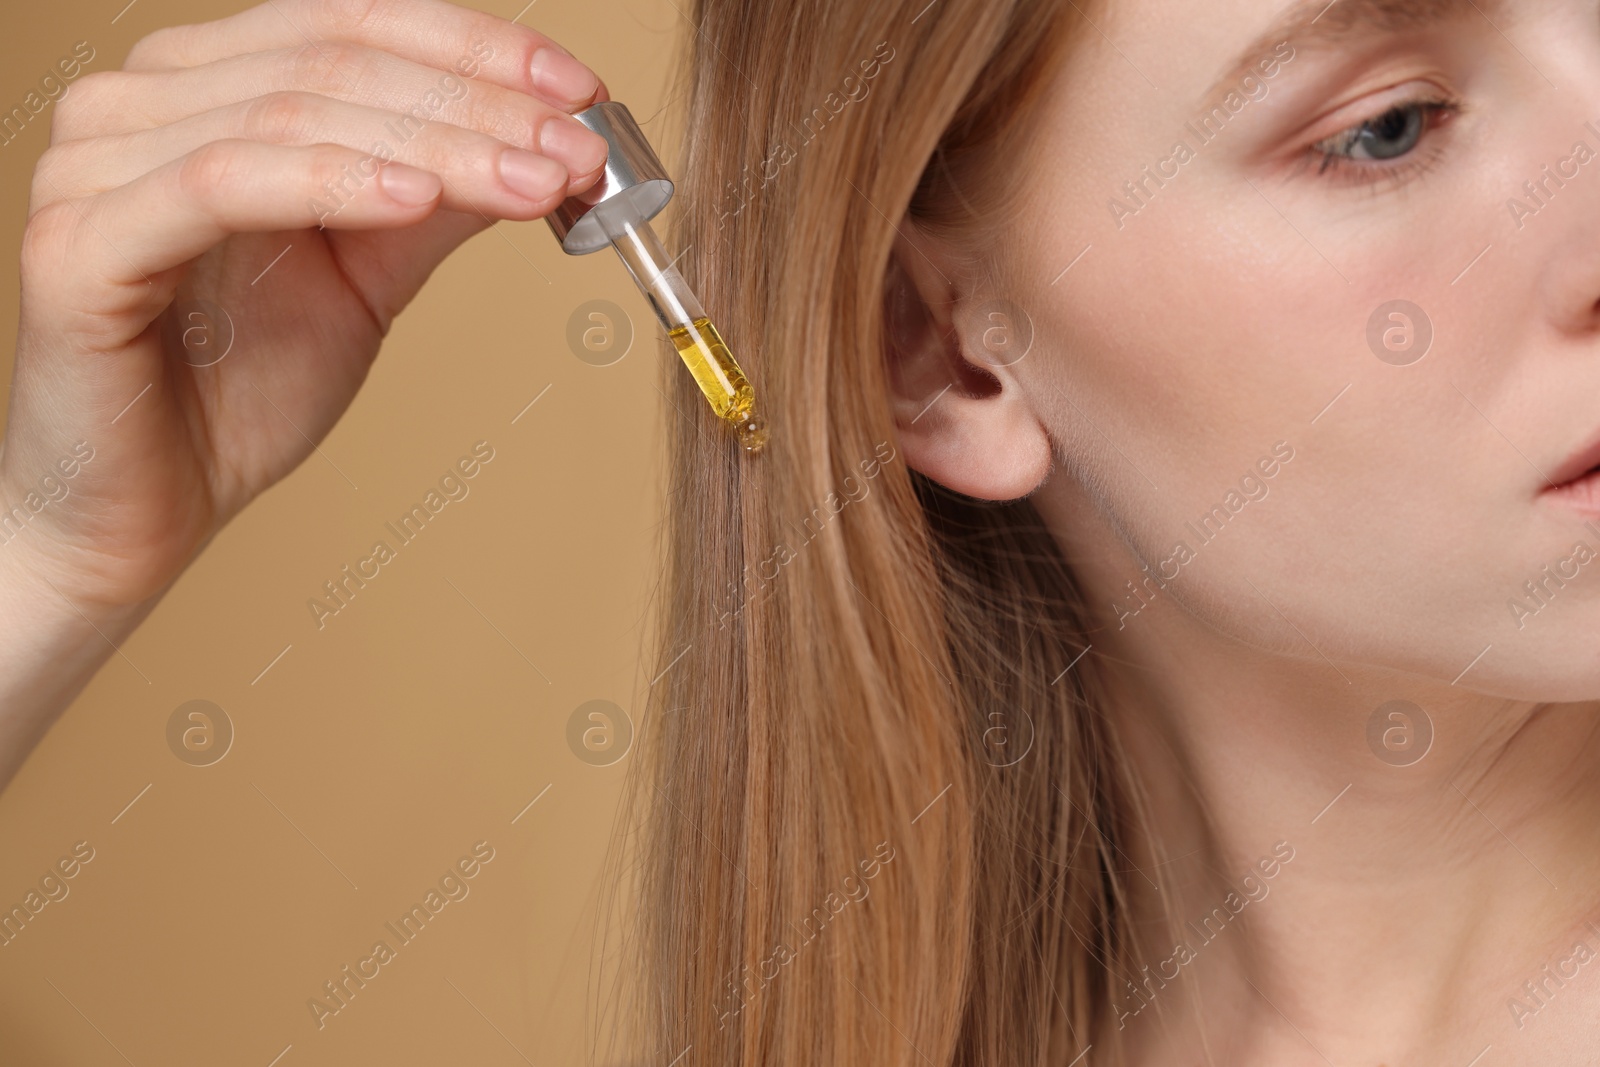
99	104
481	175
112	257
430	33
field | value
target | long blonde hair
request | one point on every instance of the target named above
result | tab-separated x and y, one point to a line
838	862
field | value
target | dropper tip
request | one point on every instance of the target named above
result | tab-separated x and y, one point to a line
752	432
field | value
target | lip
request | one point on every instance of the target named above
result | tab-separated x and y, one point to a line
1577	481
1571	473
1581	495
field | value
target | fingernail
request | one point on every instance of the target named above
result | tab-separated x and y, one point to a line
562	77
408	185
531	175
570	142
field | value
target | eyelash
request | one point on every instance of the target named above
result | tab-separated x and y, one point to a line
1346	171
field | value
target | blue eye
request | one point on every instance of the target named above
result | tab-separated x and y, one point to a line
1390	136
1394	133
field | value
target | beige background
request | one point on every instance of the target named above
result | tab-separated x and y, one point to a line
421	719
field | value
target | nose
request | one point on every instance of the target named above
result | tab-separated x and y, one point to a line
1570	286
1555	214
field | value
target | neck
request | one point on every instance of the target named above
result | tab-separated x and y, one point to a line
1324	872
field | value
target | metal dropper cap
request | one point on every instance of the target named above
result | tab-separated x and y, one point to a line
634	189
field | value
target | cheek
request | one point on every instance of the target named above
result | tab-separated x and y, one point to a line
1182	361
1192	346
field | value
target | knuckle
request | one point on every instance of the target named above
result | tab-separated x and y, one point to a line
210	170
80	111
349	16
283	117
514	120
326	67
335	167
154	51
52	175
47	235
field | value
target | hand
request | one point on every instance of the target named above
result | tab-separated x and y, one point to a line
230	179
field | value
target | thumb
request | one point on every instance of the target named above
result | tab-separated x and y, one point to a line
388	267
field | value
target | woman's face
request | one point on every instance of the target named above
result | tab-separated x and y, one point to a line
1332	284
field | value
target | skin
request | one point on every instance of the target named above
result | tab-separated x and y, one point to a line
1218	320
1167	362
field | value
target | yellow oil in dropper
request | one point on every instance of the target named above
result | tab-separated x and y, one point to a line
720	379
690	329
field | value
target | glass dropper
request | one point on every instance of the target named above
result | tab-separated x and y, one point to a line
617	211
689	327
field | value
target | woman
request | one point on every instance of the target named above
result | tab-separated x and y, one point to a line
1160	631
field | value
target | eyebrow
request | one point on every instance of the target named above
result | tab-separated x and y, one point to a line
1320	24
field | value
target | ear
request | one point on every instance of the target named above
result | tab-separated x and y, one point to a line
961	414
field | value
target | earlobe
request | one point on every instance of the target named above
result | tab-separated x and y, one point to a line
962	420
